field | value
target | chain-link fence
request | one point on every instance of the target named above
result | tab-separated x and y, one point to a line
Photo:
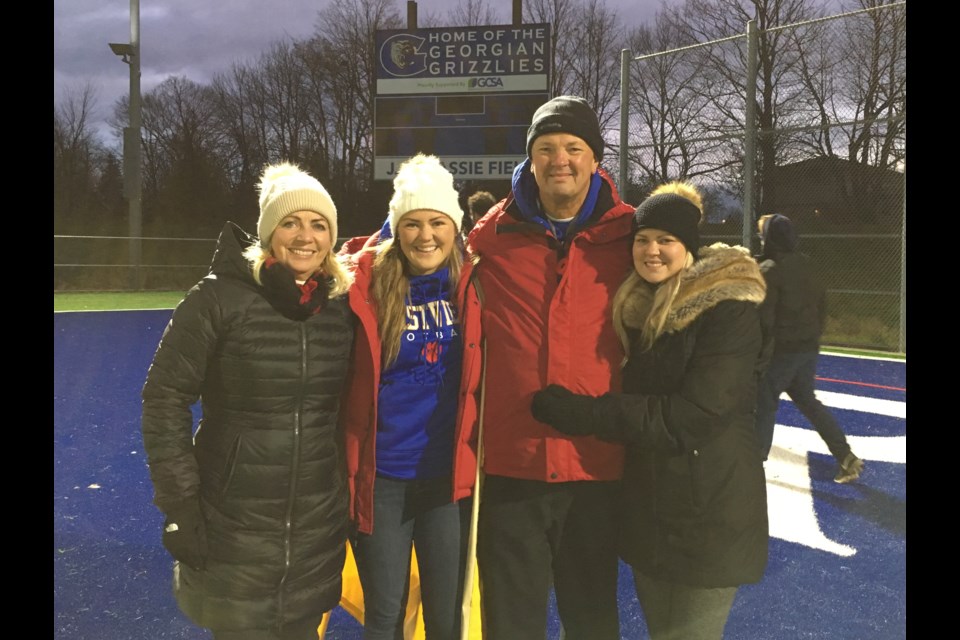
124	264
807	120
121	263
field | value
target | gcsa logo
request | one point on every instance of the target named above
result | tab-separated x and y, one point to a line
484	83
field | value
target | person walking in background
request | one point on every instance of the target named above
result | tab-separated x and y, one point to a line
410	445
694	508
794	313
547	266
256	501
477	206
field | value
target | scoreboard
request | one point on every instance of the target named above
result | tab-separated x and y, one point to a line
464	94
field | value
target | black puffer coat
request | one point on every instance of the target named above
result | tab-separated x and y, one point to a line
794	312
265	460
694	504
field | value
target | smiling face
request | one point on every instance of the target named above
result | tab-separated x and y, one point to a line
657	255
301	242
426	239
562	165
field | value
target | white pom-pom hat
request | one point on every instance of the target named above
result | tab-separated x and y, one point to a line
423	183
284	189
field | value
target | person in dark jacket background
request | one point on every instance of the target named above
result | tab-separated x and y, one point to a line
409	457
256	502
477	206
793	315
694	511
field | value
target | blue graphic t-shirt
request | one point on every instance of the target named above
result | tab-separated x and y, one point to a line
417	406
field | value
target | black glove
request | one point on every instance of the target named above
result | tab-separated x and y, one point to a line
185	534
564	410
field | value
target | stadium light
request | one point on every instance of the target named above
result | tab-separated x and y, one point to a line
125	51
132	188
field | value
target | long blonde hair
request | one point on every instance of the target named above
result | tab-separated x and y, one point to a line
332	266
391	291
642	308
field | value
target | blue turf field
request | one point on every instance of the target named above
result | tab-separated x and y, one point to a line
837	552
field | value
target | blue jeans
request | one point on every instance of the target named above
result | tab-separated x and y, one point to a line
795	373
407	513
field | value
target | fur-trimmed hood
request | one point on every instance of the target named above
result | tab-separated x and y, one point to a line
721	272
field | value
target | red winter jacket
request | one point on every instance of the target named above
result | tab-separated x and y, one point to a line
359	413
546	319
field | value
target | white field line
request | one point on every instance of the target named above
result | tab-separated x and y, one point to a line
892	408
789	494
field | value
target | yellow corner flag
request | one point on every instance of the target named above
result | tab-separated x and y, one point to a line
351	600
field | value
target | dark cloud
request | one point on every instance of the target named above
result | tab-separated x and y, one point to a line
178	37
192	38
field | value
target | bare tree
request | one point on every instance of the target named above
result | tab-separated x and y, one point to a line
71	118
471	13
670	98
595	44
779	88
284	91
184	185
874	82
340	61
561	14
341	111
244	149
264	112
856	83
818	62
75	150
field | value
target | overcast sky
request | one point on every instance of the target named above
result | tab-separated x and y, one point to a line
198	38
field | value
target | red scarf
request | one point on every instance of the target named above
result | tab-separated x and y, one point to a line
294	300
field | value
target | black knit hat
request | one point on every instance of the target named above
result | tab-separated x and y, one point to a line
672	213
567	114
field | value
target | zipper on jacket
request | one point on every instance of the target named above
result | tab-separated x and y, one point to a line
294	472
230	466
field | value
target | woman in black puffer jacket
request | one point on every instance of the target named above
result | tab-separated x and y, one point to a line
256	502
694	519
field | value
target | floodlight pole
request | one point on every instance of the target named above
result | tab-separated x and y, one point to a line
750	139
132	183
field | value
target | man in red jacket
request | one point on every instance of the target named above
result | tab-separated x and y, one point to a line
549	258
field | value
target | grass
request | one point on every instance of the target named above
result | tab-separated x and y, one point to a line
116	301
863	352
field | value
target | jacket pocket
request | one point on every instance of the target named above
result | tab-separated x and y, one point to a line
678	487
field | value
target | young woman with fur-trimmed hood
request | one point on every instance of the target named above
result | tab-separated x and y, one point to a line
694	520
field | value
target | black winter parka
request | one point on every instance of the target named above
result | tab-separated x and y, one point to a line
694	493
794	312
265	460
